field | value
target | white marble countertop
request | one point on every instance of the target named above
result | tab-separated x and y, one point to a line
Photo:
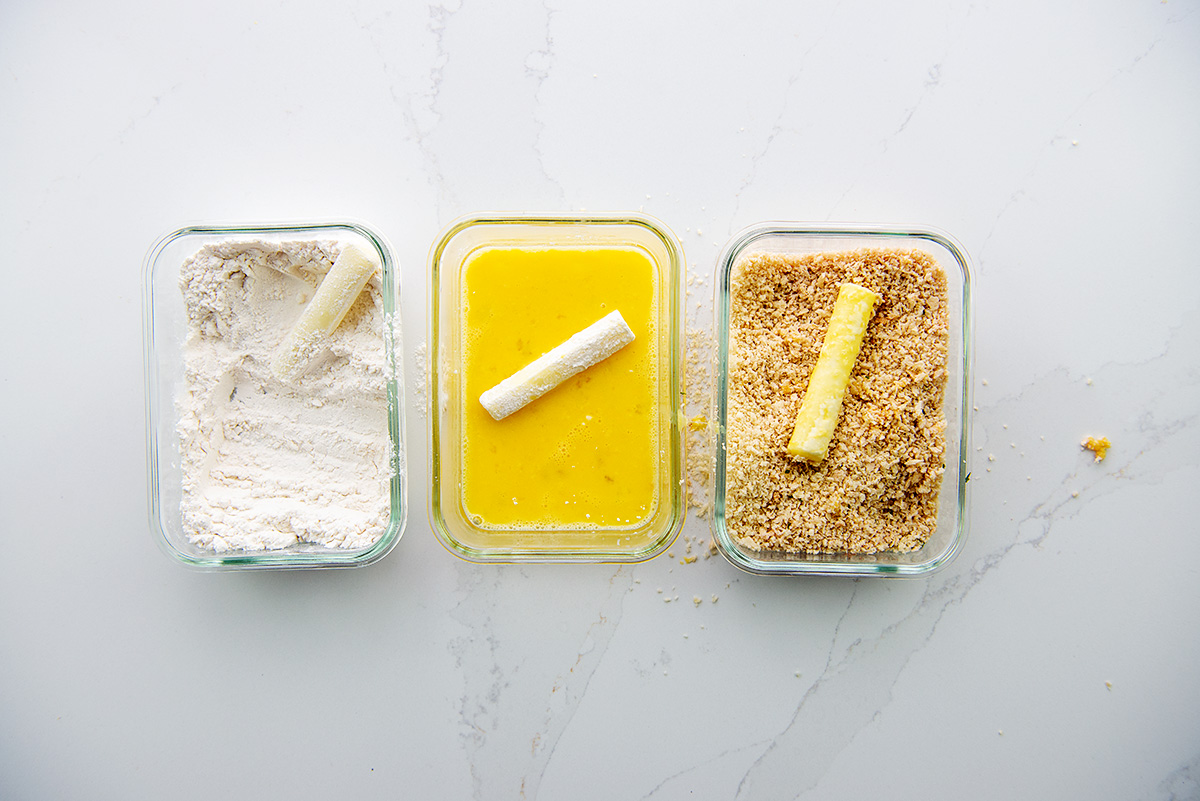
1055	658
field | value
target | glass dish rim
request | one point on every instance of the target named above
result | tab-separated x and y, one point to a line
734	247
277	560
678	515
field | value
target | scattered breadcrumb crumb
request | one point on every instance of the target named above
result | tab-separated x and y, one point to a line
697	600
1098	446
700	454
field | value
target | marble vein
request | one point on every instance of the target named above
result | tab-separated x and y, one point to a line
155	102
667	787
1183	783
502	691
571	686
801	752
1058	138
775	130
421	109
477	648
538	66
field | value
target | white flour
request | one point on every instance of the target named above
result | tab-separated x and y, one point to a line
270	464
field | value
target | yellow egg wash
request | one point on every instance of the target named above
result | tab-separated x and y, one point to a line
584	455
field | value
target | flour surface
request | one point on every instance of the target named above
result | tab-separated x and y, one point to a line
269	464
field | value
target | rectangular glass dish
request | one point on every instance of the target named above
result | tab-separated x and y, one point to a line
591	471
801	240
283	287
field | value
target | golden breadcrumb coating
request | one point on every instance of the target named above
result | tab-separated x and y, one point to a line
877	489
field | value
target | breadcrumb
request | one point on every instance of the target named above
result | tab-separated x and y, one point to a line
1098	446
699	461
877	489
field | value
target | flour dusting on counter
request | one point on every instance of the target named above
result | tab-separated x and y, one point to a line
270	464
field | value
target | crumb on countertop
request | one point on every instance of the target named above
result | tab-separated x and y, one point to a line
1098	446
699	464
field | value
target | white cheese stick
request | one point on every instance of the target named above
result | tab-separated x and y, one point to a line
593	344
324	312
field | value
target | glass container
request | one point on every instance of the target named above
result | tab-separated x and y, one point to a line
165	333
799	239
460	468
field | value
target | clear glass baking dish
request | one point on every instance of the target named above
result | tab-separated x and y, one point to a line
164	333
468	534
954	498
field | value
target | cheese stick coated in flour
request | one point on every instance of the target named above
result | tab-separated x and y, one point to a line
334	297
590	346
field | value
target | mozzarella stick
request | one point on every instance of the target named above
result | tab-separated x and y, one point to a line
590	346
324	312
822	404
